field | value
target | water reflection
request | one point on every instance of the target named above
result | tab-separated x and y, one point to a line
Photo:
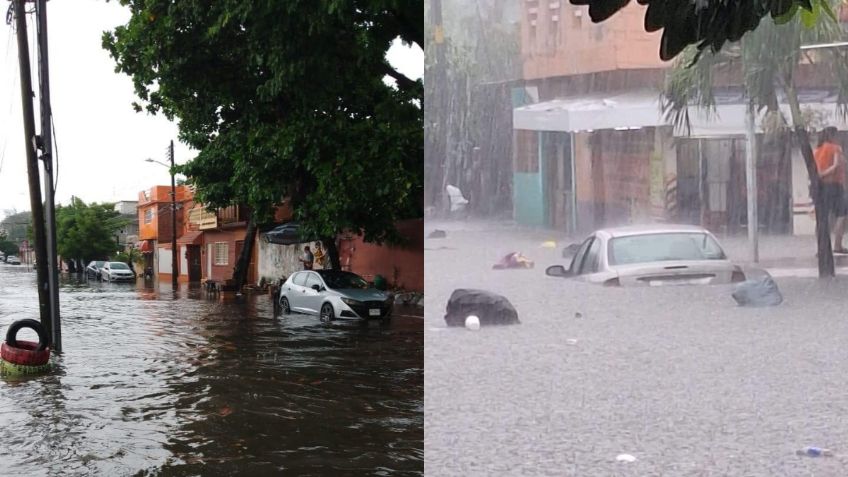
171	383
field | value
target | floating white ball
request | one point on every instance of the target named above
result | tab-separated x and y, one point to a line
472	322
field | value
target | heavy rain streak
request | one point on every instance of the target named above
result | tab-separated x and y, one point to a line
634	266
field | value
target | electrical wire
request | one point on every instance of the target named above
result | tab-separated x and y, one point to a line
56	157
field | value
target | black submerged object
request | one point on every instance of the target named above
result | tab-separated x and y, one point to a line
491	308
758	292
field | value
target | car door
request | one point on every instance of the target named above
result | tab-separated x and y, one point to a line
312	297
296	291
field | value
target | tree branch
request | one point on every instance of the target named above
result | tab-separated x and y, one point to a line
403	82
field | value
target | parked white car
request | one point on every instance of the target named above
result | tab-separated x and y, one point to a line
13	260
652	256
116	271
333	294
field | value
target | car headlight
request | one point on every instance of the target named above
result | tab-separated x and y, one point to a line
351	302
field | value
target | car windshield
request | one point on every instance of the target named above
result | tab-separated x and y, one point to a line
118	266
341	280
660	247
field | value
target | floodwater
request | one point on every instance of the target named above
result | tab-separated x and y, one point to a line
678	377
152	383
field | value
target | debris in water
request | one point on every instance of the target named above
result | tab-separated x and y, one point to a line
759	292
625	458
578	314
490	308
571	341
472	323
514	260
812	451
549	244
437	234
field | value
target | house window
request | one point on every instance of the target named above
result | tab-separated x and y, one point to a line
148	216
222	253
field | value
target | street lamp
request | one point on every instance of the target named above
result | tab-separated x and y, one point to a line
173	214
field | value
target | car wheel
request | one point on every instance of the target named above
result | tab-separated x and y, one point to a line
285	308
327	312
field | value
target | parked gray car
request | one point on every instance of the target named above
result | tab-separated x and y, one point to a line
651	256
333	294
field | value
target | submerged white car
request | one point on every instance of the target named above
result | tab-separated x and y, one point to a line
651	256
333	294
116	271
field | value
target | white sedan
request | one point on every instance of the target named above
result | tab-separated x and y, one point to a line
333	294
116	271
651	256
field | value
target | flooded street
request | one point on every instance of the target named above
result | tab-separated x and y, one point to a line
678	377
156	384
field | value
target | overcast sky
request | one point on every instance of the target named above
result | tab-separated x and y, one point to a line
102	142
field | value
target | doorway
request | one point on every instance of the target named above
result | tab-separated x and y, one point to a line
194	267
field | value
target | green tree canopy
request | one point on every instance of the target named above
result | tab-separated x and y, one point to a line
708	23
16	226
87	232
286	99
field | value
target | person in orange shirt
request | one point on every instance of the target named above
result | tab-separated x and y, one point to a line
830	164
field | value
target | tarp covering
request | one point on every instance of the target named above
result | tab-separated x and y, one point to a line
145	246
491	308
192	237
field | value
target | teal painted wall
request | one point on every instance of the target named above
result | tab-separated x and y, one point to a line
528	199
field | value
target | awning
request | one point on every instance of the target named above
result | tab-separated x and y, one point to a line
640	109
145	246
192	237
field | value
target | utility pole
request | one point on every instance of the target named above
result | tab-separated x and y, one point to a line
32	168
751	182
47	158
174	268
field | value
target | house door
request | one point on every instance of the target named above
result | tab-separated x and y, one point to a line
194	267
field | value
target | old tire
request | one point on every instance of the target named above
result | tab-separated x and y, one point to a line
285	307
12	333
24	354
327	313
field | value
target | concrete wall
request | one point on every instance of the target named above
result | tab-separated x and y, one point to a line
277	261
402	267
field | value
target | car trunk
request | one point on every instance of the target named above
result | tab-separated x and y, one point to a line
697	272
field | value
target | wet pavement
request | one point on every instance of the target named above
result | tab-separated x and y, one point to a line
153	383
679	377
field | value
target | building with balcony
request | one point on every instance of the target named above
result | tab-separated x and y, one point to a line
592	148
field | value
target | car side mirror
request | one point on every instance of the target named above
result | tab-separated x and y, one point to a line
316	287
557	271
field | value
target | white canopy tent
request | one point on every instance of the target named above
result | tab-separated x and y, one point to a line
641	109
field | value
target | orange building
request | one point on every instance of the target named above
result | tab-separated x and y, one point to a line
155	231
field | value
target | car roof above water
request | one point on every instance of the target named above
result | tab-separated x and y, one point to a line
650	229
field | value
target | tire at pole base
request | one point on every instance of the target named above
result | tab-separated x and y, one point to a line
26	353
10	369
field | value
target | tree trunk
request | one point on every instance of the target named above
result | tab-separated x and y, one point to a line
825	252
243	263
332	252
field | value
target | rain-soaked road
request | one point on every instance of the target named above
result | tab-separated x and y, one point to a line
678	377
150	384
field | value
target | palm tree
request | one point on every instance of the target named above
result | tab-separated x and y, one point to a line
768	59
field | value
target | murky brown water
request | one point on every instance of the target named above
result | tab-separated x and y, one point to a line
152	383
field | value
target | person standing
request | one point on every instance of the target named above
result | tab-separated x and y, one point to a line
307	259
320	256
830	164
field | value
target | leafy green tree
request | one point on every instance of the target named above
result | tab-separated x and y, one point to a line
86	232
708	24
286	99
8	248
16	226
768	59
